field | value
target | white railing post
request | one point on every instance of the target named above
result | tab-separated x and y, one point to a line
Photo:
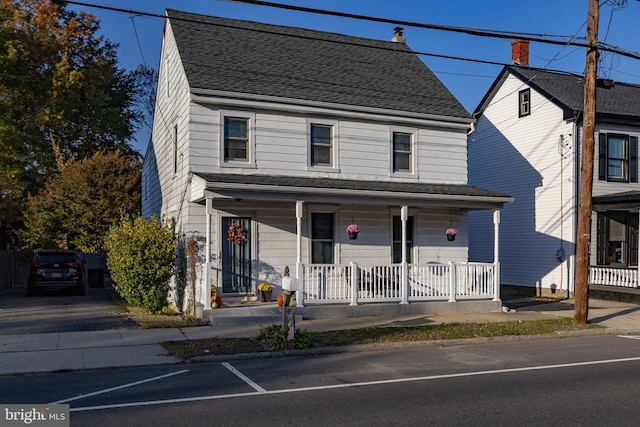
452	282
207	262
354	284
404	283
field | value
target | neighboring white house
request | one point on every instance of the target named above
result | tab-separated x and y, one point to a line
527	143
268	141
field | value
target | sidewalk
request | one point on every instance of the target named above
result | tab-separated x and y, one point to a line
135	347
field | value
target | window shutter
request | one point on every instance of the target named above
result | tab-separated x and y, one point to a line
602	240
602	157
633	159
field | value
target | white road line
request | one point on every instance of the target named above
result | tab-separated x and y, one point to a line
95	393
243	377
633	337
361	384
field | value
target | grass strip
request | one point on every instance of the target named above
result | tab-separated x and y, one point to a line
225	346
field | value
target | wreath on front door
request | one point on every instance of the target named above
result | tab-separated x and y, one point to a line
237	234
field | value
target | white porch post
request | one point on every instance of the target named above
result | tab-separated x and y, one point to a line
637	284
496	257
207	262
404	292
301	284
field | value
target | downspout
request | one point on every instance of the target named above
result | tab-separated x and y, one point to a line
576	194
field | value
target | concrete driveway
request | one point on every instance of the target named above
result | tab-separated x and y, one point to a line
58	312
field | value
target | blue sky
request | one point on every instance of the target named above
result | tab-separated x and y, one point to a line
467	81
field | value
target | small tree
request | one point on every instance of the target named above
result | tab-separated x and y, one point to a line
141	256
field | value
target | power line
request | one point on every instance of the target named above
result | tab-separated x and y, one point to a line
540	38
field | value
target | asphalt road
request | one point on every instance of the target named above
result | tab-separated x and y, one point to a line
588	380
60	312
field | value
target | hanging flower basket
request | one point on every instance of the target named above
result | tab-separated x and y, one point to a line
451	234
237	234
352	231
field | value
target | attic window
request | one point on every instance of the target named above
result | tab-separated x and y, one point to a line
524	102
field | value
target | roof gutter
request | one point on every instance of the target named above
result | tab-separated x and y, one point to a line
239	100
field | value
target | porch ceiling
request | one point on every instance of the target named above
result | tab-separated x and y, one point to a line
629	200
330	190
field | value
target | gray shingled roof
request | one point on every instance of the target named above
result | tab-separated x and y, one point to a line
248	57
567	91
290	182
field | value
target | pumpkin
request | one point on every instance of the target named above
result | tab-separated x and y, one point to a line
280	300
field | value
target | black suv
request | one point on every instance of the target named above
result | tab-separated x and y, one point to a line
56	270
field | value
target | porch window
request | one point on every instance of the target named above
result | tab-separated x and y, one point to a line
524	102
618	158
397	239
321	145
236	138
402	158
322	242
617	238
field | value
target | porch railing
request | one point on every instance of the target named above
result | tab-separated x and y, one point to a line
356	284
614	276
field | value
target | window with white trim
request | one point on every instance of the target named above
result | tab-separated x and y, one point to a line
617	157
322	238
321	145
397	239
402	152
236	139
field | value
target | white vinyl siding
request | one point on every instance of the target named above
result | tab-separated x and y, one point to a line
534	161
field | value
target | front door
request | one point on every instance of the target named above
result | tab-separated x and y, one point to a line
236	255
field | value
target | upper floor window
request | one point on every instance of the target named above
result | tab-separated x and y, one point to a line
402	156
322	242
524	102
321	145
236	138
618	158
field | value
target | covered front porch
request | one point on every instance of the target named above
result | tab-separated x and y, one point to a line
402	256
615	262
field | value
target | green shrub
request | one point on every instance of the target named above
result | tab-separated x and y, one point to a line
276	337
141	256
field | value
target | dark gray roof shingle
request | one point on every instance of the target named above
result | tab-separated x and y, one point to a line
567	91
261	59
288	182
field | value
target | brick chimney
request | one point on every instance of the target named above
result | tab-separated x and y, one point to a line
520	52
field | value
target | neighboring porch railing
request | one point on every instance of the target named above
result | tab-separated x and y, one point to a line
356	284
614	276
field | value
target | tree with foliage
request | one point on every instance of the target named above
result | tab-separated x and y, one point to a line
62	97
81	203
141	256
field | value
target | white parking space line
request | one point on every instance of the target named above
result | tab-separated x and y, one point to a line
243	377
360	384
120	387
633	337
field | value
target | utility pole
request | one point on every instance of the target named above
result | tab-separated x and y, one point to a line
586	168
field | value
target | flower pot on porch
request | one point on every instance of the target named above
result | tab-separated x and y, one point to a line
451	237
352	235
265	296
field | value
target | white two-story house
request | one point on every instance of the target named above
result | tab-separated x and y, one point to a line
269	141
527	143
